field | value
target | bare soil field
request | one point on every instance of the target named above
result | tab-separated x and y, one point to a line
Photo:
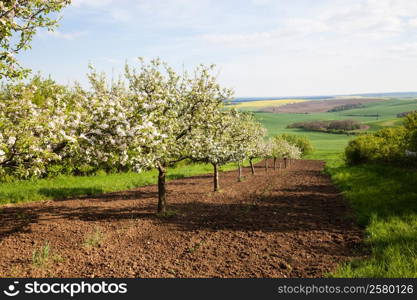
284	223
317	105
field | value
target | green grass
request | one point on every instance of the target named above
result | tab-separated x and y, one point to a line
71	186
384	199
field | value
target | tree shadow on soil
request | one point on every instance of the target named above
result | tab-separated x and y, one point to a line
319	189
15	220
267	214
62	193
97	195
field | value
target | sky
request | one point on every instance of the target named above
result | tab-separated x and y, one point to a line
260	47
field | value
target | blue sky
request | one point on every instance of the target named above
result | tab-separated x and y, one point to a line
261	47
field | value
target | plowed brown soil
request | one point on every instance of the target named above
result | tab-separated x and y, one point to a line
284	223
316	106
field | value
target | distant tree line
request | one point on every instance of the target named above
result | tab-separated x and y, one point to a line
334	126
406	113
345	107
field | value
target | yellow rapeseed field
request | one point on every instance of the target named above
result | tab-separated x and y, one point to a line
267	103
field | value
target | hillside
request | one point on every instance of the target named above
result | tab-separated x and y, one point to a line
374	114
317	106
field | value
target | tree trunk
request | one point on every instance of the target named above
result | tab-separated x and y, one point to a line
275	163
251	166
239	178
266	165
285	162
161	189
216	177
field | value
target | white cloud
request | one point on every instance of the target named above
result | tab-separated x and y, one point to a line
291	29
112	61
370	19
376	20
300	26
156	12
261	2
240	40
412	23
303	75
350	46
266	47
93	3
64	35
409	49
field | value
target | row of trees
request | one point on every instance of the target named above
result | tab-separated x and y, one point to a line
153	117
346	107
404	114
336	126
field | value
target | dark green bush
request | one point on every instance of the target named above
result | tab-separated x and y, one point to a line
386	145
410	124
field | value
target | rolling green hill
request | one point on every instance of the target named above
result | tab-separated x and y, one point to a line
330	146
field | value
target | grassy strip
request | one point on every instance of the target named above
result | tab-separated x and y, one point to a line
71	186
384	199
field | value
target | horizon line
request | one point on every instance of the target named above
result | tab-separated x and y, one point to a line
326	95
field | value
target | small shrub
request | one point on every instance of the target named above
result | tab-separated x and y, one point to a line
56	258
410	124
40	256
94	239
195	247
362	149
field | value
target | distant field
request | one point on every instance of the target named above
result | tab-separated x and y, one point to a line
318	106
330	146
266	103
